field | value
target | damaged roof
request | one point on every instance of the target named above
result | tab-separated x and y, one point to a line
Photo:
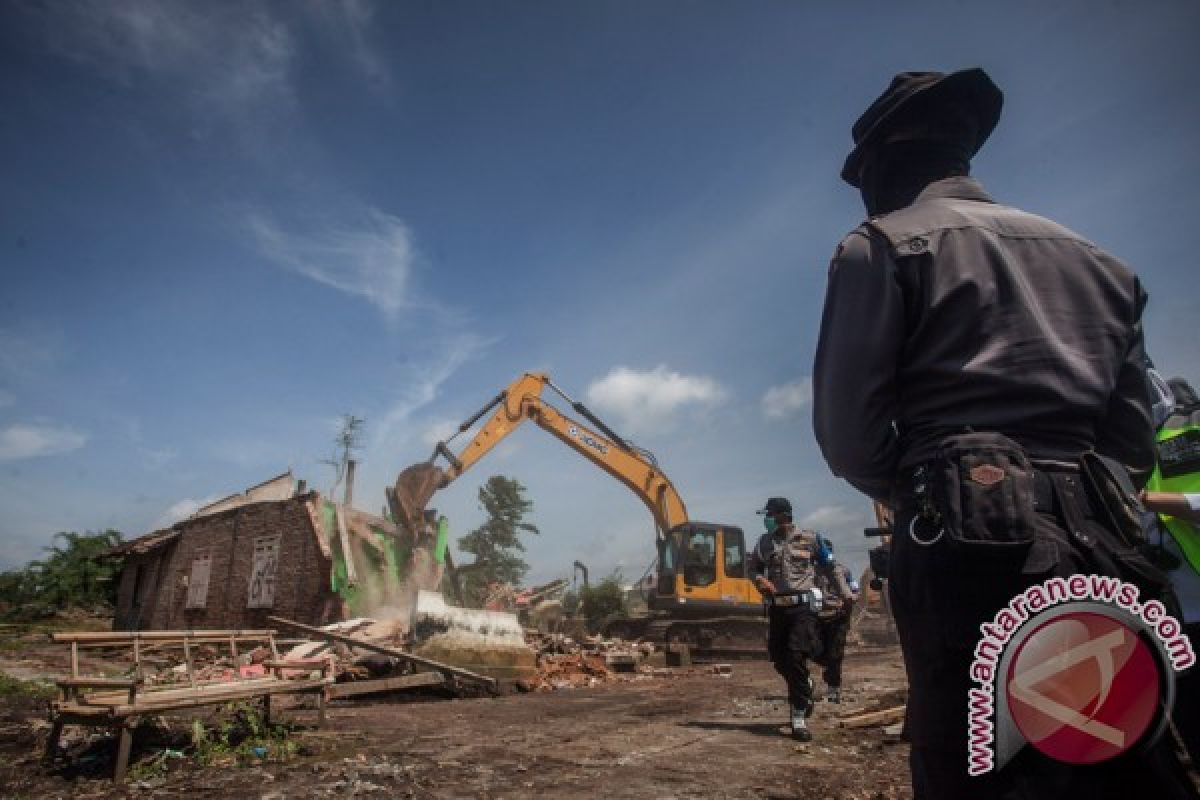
143	544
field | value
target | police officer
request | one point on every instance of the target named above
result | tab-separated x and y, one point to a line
1173	492
841	590
784	568
948	315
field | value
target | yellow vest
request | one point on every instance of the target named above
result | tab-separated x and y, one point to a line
1178	471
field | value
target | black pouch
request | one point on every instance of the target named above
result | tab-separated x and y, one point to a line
1111	490
983	484
1120	547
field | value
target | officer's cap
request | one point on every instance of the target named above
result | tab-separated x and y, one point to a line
776	505
969	90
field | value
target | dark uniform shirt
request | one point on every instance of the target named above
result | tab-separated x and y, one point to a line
787	558
957	311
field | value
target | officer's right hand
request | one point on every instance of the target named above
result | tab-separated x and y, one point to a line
764	585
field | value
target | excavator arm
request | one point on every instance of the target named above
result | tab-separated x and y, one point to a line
522	401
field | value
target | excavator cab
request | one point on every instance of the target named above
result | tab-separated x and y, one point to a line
702	569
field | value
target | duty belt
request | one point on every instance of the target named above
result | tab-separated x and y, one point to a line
806	597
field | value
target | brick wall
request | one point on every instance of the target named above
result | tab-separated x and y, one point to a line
302	590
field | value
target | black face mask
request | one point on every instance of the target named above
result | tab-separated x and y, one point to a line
895	173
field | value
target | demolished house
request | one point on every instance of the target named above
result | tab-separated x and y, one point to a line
275	549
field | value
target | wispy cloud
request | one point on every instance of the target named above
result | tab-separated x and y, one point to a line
650	400
372	258
21	441
783	401
438	431
229	58
25	355
250	452
350	23
423	384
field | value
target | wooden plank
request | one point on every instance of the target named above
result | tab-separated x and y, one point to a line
114	699
353	688
883	717
297	663
128	637
282	687
100	683
191	699
387	651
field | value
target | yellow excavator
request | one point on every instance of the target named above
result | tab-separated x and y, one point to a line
702	595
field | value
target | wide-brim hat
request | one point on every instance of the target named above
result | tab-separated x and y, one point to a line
970	90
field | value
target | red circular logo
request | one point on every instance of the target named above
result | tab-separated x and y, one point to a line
1083	688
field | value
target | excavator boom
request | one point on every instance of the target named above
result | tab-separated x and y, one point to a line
523	400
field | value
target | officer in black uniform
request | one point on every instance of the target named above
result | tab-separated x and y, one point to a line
784	568
955	325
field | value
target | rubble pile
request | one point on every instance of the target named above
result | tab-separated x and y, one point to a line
565	663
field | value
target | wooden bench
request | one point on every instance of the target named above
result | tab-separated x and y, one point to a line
120	703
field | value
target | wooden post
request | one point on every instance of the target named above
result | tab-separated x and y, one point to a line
321	708
124	745
74	659
267	710
237	668
187	658
52	742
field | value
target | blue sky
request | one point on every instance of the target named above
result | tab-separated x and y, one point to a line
224	224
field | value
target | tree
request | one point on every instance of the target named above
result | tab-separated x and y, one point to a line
496	544
604	601
71	575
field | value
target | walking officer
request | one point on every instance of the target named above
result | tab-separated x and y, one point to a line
784	567
972	359
835	618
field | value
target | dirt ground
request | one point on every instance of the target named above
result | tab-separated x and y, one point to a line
688	734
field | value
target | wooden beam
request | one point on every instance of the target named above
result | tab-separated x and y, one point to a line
884	717
386	684
129	637
387	651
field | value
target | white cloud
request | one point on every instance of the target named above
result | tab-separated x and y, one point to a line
372	259
644	401
182	510
31	441
783	401
825	517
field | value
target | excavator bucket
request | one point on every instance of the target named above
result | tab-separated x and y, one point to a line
488	642
414	487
